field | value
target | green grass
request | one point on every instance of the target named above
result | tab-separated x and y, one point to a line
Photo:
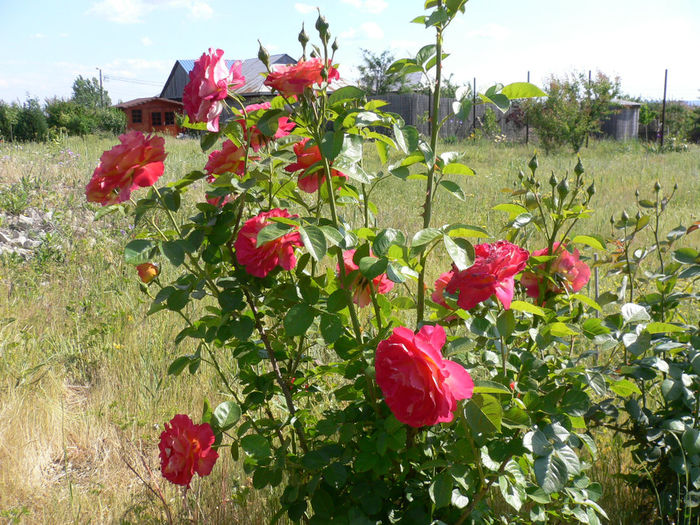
83	385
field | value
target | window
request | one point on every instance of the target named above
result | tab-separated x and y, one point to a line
156	119
136	116
169	118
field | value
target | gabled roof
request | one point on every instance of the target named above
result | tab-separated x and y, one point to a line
138	101
252	69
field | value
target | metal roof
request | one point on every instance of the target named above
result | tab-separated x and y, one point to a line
252	69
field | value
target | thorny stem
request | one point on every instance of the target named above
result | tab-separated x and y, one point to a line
276	370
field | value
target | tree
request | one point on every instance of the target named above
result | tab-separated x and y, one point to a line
31	122
374	77
9	116
87	92
573	109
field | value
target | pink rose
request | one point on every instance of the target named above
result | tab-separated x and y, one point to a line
361	294
147	272
567	270
185	448
294	78
491	274
309	160
420	387
229	159
440	285
209	83
254	136
136	162
261	260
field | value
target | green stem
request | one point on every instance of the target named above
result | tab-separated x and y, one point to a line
434	129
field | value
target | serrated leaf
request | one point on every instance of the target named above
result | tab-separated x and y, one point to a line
372	267
256	446
460	251
587	301
663	328
440	489
588	241
227	414
345	93
625	388
314	240
490	387
138	251
424	237
174	251
456	168
273	231
385	239
454	189
634	313
551	473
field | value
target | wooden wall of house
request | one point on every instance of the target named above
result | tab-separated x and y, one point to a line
150	122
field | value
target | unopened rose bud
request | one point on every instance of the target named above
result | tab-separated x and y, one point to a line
675	186
264	56
657	187
591	189
303	37
533	164
521	175
563	188
322	28
638	216
578	170
334	46
636	194
147	272
553	180
624	216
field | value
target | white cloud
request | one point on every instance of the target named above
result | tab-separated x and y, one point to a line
304	8
349	34
146	41
63	35
38	35
134	11
373	7
372	30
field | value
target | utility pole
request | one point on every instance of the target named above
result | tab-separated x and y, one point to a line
663	110
102	98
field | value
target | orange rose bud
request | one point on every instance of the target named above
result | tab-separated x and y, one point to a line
147	272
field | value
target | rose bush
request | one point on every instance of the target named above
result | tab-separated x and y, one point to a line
568	272
270	279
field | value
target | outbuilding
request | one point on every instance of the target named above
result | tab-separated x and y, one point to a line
623	122
152	114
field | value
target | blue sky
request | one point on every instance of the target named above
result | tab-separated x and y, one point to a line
45	44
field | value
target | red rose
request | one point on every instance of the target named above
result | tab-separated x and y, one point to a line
567	270
440	285
491	274
361	294
261	260
309	160
293	79
185	448
147	272
208	87
136	162
229	159
254	136
420	387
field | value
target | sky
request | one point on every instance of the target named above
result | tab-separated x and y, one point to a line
46	44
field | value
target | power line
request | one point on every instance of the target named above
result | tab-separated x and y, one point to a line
132	81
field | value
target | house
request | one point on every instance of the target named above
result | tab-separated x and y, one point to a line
252	70
152	114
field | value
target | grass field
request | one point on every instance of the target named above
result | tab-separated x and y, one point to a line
83	385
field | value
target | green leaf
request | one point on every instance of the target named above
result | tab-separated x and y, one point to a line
227	414
634	313
484	414
460	251
575	403
174	251
385	239
337	300
177	366
588	241
424	237
314	240
558	329
625	388
522	306
440	489
331	327
208	140
372	267
551	473
298	319
138	251
505	323
522	90
332	144
455	168
406	138
466	230
269	122
661	328
513	209
453	188
462	108
587	301
273	231
256	446
345	93
490	387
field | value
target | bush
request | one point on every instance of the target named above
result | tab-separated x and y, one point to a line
31	122
573	109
